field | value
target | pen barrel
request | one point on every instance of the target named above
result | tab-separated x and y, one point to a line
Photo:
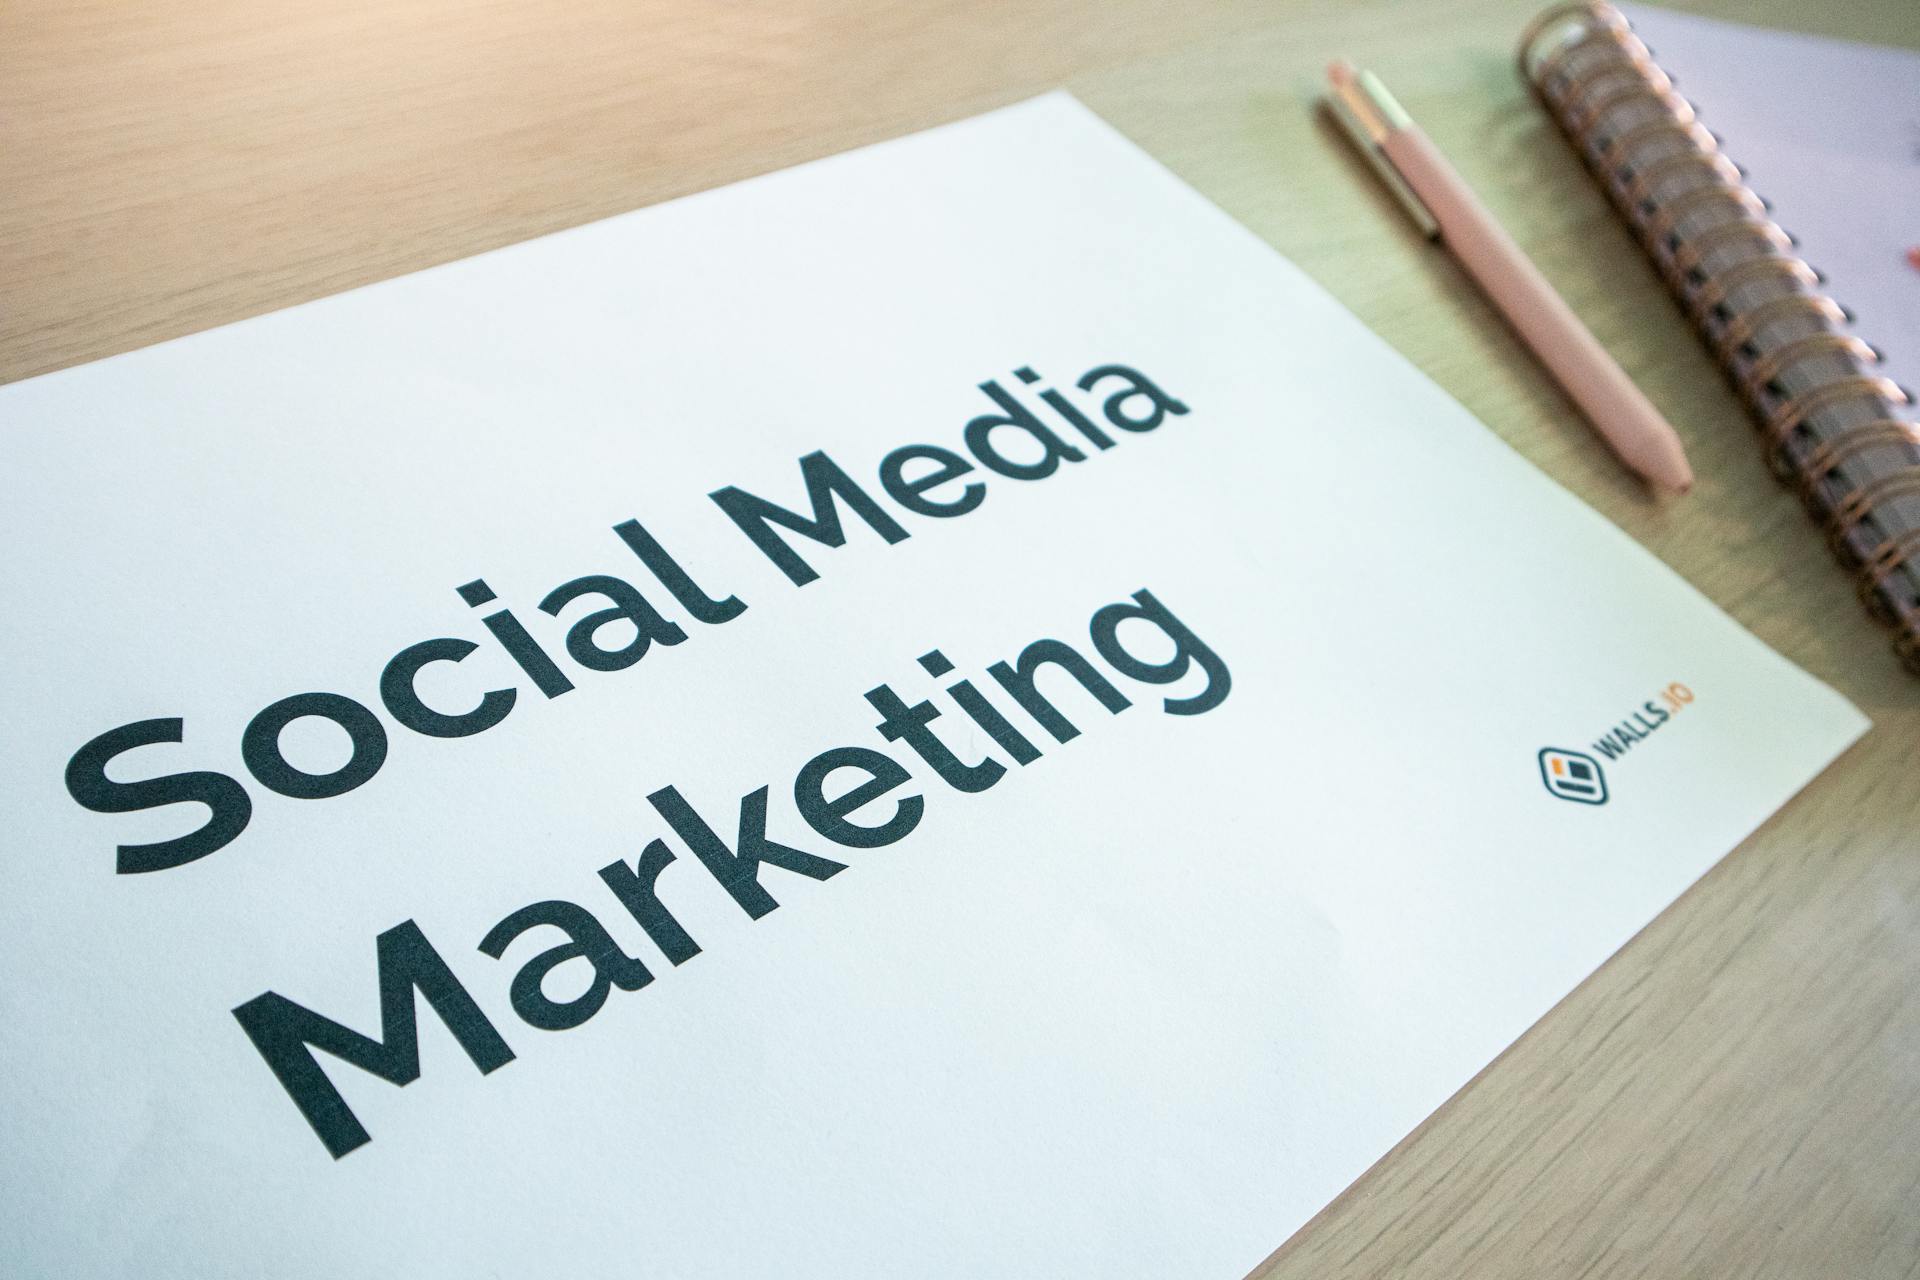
1623	416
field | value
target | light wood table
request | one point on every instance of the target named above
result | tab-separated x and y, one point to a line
1738	1091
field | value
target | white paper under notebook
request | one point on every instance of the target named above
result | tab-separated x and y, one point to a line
1358	745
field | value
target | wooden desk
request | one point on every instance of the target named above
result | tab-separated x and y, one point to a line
1736	1093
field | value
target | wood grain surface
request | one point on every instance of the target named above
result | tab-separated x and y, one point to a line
1738	1091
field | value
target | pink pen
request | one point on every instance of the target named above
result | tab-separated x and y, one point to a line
1447	210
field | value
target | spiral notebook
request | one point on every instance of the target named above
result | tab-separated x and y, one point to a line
1832	422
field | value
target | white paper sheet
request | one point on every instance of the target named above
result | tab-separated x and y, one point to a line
1139	1008
1829	132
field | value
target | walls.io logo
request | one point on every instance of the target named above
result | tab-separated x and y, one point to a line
1573	776
1577	776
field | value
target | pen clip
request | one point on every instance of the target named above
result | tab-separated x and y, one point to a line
1363	122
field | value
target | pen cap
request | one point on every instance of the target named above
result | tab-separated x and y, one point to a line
1367	123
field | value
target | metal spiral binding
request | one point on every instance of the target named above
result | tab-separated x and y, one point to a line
1759	305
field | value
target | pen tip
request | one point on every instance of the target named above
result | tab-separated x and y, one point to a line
1341	73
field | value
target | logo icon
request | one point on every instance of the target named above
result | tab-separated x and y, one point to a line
1573	776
